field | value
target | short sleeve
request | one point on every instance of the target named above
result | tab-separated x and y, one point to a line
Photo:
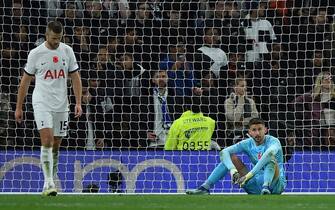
30	67
73	65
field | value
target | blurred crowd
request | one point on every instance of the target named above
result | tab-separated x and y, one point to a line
140	59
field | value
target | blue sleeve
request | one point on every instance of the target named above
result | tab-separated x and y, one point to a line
225	153
268	155
163	65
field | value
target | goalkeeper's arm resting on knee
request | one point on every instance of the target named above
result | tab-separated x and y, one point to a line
265	159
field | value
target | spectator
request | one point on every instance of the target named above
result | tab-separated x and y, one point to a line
130	85
118	9
228	20
69	17
54	8
213	58
211	37
175	23
10	68
160	110
5	108
310	109
133	44
144	30
81	45
97	19
239	109
103	66
259	34
212	103
156	7
88	131
180	71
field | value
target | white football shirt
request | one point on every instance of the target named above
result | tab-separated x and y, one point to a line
51	69
252	33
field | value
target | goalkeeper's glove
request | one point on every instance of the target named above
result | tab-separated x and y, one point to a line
244	179
234	176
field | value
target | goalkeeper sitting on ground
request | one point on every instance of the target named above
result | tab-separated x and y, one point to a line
264	151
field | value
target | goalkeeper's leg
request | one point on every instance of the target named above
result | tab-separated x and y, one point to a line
218	173
272	182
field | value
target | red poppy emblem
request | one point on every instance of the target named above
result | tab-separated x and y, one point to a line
55	59
259	156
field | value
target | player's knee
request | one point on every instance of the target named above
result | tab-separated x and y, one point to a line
47	140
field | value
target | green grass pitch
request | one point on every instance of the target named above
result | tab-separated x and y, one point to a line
173	202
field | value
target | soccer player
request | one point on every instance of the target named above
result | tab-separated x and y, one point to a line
51	64
265	152
192	131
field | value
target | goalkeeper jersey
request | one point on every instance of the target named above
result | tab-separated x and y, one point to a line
255	152
192	131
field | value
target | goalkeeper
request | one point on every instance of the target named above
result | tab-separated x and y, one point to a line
265	152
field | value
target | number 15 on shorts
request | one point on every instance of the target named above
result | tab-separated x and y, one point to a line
63	126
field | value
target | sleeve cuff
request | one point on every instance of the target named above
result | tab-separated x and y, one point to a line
70	72
28	73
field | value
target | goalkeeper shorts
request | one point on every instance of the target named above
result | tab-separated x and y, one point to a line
255	184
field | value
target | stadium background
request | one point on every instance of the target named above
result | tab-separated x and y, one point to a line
110	38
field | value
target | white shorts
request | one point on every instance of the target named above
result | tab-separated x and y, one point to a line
58	121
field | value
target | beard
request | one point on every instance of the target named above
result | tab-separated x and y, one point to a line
54	46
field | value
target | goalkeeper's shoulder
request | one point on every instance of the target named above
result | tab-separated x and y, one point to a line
273	139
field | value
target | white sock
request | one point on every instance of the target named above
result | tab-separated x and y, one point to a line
47	162
55	155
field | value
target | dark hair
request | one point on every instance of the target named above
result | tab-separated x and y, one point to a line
256	121
192	103
55	26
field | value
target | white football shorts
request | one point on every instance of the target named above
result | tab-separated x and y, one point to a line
58	121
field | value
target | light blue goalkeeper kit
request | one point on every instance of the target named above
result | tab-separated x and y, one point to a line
263	157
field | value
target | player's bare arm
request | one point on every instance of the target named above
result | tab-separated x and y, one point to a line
24	85
77	88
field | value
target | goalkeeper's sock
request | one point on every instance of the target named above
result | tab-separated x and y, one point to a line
269	172
55	156
218	173
47	163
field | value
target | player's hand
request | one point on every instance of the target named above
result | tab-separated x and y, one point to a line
244	179
235	177
100	143
77	111
18	115
197	91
